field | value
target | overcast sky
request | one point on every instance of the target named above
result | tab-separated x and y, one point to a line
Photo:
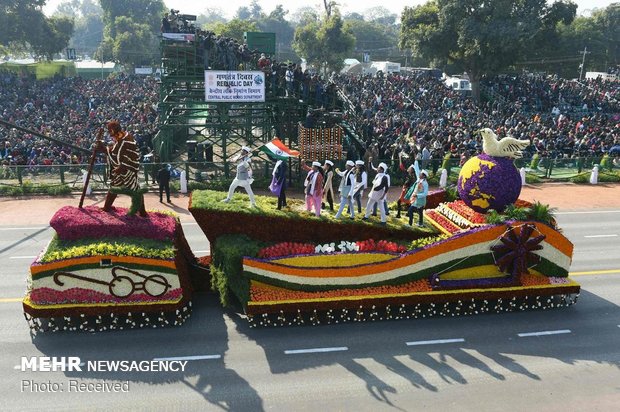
230	6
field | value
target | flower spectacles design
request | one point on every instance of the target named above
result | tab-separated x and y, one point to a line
121	285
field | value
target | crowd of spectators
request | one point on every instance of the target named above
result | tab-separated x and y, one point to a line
71	110
418	116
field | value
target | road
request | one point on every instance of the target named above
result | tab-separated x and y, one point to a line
477	363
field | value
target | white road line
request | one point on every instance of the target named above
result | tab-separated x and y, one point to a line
315	350
434	342
201	251
544	333
596	236
25	228
188	358
22	257
587	212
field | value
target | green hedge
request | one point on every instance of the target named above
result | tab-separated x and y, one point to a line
28	188
227	267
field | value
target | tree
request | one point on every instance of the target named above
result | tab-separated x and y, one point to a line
304	15
18	18
52	36
380	15
276	23
210	15
129	30
234	28
482	37
374	38
325	44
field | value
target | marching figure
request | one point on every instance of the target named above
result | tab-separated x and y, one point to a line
124	160
380	186
417	195
346	185
409	179
278	183
243	177
328	189
385	202
361	179
313	187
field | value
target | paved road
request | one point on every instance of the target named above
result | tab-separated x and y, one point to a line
483	364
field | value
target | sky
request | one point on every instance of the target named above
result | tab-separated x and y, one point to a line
346	6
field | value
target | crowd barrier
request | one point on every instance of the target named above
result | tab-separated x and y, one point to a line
212	175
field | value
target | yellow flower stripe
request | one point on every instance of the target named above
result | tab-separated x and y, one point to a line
94	260
28	302
476	272
448	246
334	261
408	294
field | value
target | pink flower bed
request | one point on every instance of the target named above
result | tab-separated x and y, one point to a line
49	296
72	223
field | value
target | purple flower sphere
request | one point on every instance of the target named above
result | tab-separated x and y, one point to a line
487	182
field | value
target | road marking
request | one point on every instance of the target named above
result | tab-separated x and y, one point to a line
188	358
544	333
587	212
595	272
315	350
596	236
25	228
434	342
22	257
8	300
201	251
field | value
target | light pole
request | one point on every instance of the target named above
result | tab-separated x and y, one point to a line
583	61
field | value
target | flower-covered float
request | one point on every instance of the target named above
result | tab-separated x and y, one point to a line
288	267
109	270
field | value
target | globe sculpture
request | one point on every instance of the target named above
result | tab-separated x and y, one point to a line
487	182
491	180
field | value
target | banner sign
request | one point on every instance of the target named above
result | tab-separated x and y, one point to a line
178	36
234	86
144	70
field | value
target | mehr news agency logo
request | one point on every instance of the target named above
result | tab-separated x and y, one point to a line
75	364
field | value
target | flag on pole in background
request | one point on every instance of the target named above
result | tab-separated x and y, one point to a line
278	150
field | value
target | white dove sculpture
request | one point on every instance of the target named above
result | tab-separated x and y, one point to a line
507	147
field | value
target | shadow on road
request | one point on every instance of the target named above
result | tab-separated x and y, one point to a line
205	333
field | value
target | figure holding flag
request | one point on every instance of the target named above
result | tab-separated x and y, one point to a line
281	153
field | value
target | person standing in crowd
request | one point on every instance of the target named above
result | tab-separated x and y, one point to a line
409	179
378	193
124	159
385	202
361	183
417	195
278	183
346	185
243	177
313	186
328	188
163	179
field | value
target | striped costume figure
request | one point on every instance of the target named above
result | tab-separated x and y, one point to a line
124	159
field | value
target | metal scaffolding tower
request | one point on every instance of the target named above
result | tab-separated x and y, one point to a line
220	128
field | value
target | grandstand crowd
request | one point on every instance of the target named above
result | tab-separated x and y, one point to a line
72	110
413	114
418	115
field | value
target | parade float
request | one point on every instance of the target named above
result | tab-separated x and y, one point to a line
109	270
486	252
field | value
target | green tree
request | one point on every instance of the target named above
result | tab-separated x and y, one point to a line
374	38
210	16
234	28
326	43
480	36
276	23
129	30
52	36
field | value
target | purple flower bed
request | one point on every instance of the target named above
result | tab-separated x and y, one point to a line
72	223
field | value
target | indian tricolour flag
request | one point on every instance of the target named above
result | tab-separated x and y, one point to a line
278	150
